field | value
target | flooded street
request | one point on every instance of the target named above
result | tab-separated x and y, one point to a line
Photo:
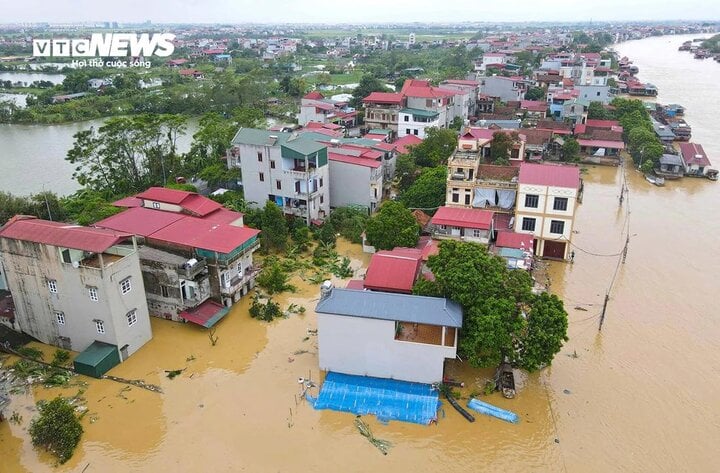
641	396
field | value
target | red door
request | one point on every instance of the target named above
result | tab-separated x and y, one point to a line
554	249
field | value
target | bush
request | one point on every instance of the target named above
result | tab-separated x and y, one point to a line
267	311
274	279
57	429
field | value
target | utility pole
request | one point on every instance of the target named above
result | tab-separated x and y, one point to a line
625	250
602	315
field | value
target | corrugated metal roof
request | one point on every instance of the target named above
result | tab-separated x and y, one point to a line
140	221
393	271
391	306
62	235
550	175
254	136
462	217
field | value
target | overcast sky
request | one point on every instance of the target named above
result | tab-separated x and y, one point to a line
334	11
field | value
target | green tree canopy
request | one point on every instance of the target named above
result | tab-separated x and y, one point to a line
368	84
128	154
597	111
350	222
428	190
438	145
571	150
535	93
393	225
274	227
502	317
56	429
501	146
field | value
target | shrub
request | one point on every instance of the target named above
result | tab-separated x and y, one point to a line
57	429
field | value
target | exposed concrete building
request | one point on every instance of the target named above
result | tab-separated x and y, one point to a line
289	169
356	176
381	110
547	199
386	335
73	286
503	88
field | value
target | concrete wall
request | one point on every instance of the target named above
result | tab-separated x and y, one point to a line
594	93
501	87
354	185
367	347
29	267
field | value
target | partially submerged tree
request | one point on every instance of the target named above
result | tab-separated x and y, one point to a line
393	225
274	227
56	429
502	317
571	150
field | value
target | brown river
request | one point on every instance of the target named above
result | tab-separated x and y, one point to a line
643	395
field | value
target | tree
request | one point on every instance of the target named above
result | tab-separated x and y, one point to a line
535	93
86	207
428	191
571	150
326	234
644	145
127	154
274	227
393	225
503	319
273	278
438	145
368	84
57	429
36	205
597	111
218	175
457	124
405	171
350	222
502	144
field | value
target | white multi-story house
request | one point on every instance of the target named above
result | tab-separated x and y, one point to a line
75	286
547	199
289	169
412	121
503	88
356	175
386	335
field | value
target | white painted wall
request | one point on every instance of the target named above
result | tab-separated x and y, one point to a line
367	347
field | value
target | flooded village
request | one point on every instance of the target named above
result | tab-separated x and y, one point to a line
198	345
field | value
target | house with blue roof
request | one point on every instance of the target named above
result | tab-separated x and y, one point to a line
386	335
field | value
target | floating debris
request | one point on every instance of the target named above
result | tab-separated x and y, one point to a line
364	429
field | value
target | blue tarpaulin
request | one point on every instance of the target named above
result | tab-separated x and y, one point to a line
388	399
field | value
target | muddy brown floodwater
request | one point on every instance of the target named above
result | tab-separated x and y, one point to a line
642	396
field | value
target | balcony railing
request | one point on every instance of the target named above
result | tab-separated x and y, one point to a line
238	282
189	272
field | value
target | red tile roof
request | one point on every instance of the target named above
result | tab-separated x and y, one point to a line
194	232
384	97
602	123
140	221
694	154
62	235
189	201
601	143
508	239
393	271
357	160
549	175
407	140
314	95
465	218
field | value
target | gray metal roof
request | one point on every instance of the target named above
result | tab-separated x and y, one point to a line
389	306
672	159
254	136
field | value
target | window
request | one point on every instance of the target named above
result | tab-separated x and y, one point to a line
131	317
428	103
272	164
407	118
100	326
66	256
262	177
476	233
560	203
321	182
164	291
278	184
598	94
467	199
93	292
456	198
52	286
156	205
60	317
259	155
531	201
528	224
322	198
415	132
557	226
125	286
407	131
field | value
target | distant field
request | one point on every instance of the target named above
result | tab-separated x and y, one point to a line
396	33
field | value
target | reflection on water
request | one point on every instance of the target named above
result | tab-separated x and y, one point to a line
639	397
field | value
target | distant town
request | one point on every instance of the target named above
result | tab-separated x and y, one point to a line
408	185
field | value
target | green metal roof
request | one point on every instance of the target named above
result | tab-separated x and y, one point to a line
379	131
303	145
254	136
419	113
95	353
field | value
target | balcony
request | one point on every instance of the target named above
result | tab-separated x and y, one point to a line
189	272
237	282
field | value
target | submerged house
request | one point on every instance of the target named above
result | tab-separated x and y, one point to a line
386	335
670	166
464	224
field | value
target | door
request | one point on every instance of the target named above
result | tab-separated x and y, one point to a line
554	249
